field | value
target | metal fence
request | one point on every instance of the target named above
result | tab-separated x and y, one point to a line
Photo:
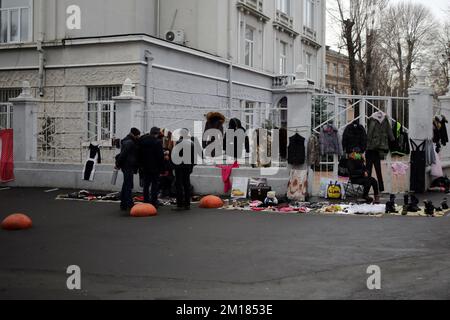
64	137
341	110
6	114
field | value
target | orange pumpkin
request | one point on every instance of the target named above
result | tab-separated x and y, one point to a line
143	210
211	202
17	221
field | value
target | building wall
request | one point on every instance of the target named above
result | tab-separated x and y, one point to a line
213	26
334	79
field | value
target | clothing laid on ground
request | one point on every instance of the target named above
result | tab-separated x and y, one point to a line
354	136
296	150
418	167
373	159
313	156
379	133
6	156
329	141
94	157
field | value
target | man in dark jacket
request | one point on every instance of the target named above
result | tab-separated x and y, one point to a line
151	161
128	163
360	176
184	166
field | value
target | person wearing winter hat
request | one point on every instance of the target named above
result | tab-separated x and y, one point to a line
359	175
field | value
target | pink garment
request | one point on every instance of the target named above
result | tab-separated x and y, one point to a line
6	156
226	175
400	168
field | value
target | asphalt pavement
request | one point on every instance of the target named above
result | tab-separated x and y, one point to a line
217	254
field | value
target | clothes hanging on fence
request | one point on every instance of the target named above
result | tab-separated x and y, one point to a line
400	145
313	156
373	159
430	153
354	136
227	170
418	166
214	120
6	156
329	141
296	150
237	151
298	185
379	132
440	134
94	157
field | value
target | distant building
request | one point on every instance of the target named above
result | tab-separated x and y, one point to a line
337	72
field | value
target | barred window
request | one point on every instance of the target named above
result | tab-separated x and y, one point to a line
101	124
6	108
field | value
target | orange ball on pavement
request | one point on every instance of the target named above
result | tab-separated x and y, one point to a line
142	210
17	221
211	202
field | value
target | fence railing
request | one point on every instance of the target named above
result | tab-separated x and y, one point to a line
6	114
341	110
64	137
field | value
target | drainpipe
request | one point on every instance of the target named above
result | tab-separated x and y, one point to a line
230	57
40	49
158	18
148	58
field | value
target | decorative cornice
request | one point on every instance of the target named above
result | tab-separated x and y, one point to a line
246	8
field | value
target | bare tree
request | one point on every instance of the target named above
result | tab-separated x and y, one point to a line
407	29
358	21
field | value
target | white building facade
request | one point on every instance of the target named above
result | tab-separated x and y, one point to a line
185	58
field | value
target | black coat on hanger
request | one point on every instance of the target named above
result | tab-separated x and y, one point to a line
296	150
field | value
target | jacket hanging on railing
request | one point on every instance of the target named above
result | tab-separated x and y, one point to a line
6	156
313	157
379	133
329	141
94	157
400	145
296	150
354	136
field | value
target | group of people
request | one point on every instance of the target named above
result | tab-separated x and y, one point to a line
144	154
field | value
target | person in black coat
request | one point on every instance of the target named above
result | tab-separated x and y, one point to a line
127	162
184	168
359	175
151	162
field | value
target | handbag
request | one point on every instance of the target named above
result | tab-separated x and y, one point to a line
259	193
334	191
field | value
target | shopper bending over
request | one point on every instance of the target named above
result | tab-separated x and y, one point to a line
359	175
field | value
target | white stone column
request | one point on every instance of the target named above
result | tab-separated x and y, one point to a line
129	110
421	110
24	125
299	96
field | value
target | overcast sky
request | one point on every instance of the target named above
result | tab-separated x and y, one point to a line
439	8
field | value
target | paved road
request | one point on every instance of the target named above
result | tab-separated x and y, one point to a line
217	254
